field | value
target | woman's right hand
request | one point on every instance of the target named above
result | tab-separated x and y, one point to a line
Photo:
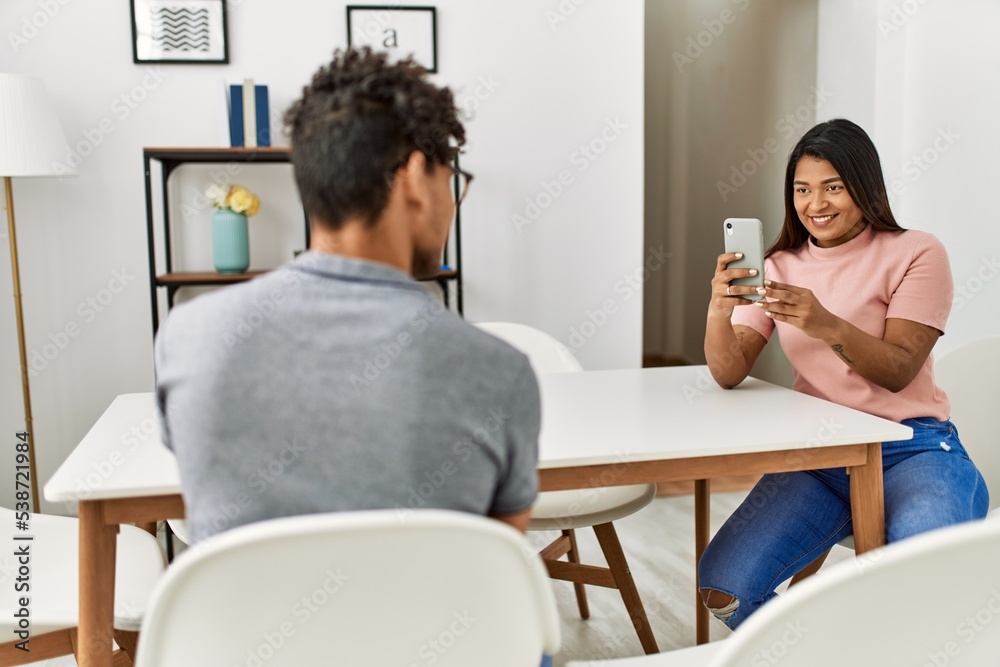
725	297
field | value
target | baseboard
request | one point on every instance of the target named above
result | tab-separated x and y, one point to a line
656	361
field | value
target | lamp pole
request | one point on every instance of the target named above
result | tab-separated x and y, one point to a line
12	237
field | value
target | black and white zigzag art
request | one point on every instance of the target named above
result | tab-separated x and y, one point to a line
178	28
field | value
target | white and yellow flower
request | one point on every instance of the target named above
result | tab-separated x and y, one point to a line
235	198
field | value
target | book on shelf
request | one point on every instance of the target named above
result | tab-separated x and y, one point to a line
263	116
235	116
249	115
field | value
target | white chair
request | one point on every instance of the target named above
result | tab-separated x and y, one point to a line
968	374
974	404
932	599
377	587
566	511
54	589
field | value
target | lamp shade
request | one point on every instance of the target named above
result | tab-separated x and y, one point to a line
32	142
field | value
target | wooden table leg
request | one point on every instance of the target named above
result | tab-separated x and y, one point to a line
868	501
97	585
702	509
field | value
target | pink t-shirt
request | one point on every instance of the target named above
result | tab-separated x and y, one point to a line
874	276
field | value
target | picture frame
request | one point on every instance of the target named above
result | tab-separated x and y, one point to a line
178	32
401	31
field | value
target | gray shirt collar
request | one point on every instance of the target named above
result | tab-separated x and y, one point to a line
346	268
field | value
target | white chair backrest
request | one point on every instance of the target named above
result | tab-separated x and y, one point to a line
380	587
546	354
970	375
933	599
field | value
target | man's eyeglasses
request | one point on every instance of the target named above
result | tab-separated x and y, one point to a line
462	181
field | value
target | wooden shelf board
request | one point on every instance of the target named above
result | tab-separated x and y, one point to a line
205	278
260	154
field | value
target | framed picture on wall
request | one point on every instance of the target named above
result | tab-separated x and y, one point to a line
179	31
402	31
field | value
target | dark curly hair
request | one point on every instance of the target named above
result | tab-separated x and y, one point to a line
357	122
850	151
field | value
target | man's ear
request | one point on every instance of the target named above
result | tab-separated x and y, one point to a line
417	160
414	181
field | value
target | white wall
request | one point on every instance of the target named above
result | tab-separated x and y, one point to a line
928	98
722	78
559	86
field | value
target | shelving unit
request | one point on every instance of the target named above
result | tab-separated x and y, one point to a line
172	281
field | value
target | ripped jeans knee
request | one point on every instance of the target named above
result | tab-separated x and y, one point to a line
721	604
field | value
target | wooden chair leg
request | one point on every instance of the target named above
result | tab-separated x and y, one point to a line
127	642
581	592
608	538
121	659
42	647
75	643
810	569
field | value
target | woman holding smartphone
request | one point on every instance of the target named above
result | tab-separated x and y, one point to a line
858	303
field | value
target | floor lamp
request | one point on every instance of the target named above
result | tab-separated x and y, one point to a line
31	144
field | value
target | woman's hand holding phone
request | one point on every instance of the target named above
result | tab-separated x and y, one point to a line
726	296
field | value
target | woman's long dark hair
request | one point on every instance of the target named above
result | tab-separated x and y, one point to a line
853	155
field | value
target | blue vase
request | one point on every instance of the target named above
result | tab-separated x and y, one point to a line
230	241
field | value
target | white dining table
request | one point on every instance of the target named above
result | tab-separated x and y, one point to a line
599	428
632	426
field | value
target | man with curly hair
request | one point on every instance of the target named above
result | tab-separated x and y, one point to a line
335	382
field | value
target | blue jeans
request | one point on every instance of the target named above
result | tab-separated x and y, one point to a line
789	519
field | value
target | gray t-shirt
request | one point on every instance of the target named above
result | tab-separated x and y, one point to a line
334	384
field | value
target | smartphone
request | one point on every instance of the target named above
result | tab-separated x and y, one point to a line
746	235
